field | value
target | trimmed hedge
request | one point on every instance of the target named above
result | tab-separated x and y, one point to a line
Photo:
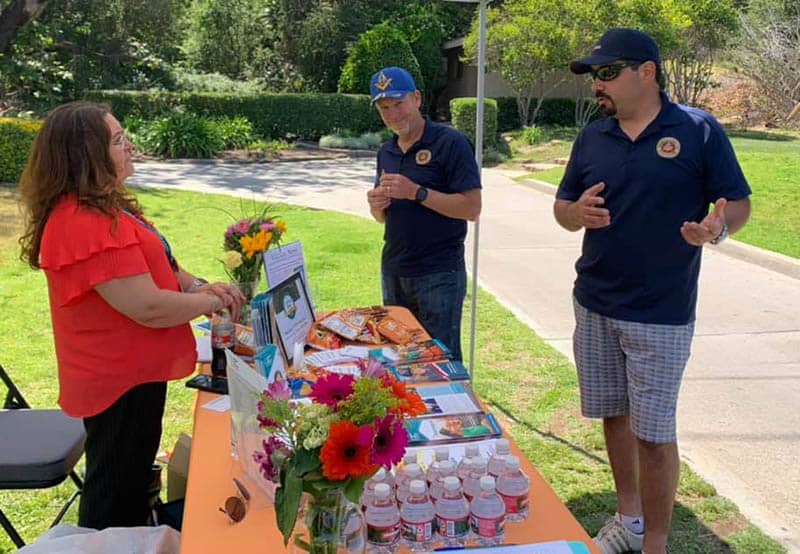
16	138
554	111
273	115
462	111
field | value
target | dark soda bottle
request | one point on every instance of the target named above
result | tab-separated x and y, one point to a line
223	337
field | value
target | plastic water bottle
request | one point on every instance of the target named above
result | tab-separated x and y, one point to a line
452	514
400	471
470	451
487	515
446	469
417	518
464	469
472	485
369	487
383	522
497	462
442	454
413	471
513	486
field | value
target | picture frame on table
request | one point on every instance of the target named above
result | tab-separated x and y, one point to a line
292	314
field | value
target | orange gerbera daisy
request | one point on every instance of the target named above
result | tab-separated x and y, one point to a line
410	403
342	456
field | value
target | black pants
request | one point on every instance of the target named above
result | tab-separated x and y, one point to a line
121	445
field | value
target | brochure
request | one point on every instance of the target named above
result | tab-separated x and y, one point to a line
403	354
450	399
430	372
445	429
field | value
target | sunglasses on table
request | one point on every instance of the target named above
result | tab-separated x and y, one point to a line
611	71
236	506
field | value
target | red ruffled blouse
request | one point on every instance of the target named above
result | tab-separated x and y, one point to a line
102	353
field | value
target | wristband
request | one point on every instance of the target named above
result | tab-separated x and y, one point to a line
197	283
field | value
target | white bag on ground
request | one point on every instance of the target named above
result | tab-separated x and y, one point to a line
68	539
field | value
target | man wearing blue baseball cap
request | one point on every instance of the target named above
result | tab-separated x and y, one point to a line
427	186
640	183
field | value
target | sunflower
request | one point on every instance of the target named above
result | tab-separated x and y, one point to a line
342	456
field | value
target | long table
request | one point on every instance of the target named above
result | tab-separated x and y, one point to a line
211	467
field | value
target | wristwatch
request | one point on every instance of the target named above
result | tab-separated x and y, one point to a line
421	195
197	283
722	235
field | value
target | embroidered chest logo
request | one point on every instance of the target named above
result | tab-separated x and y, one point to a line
383	82
423	157
668	147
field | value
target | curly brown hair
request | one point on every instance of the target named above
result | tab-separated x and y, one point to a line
70	156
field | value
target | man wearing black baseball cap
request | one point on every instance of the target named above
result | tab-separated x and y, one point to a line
640	183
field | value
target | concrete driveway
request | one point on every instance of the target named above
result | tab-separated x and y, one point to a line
739	420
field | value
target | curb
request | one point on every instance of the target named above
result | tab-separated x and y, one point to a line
779	263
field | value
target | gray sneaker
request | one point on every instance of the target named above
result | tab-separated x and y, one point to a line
614	538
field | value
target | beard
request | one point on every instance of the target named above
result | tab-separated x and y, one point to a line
608	107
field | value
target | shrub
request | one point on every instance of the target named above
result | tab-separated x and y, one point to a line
236	132
463	118
554	111
346	139
532	135
181	135
191	81
382	46
273	116
16	138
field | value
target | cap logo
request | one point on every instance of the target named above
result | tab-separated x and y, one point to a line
597	47
423	157
668	147
383	82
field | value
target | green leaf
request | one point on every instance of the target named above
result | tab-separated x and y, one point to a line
354	489
306	461
287	502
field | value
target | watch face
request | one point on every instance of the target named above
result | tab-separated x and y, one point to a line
422	194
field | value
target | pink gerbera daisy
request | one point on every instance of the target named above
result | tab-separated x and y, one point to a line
372	368
332	388
387	438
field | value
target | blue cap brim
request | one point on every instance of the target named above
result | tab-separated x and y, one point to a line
389	94
579	67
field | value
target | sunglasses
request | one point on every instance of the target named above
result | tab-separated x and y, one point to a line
611	71
236	506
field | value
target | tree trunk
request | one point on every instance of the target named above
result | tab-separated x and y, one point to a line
14	16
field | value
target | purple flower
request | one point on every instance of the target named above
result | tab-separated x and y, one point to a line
242	227
387	438
268	227
371	368
230	231
332	388
278	390
263	421
270	460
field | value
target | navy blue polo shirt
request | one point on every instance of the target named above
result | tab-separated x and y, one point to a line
418	240
640	268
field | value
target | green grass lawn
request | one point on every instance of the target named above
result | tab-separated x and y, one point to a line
342	252
770	161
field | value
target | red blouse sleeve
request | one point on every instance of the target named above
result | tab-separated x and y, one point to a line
81	249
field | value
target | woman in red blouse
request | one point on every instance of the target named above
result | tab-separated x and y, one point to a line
120	304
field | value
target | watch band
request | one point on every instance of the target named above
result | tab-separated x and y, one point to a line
197	283
723	234
421	195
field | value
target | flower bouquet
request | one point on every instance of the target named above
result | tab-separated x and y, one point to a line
328	448
245	243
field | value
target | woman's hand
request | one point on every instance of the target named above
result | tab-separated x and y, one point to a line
230	295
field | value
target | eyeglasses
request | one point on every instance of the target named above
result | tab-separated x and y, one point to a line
236	506
611	71
120	141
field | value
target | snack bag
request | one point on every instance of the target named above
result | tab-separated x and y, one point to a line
322	338
394	330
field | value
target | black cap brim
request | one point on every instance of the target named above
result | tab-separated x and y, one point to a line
584	65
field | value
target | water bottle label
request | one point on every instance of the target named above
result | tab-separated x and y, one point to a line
515	504
453	528
487	527
417	531
384	536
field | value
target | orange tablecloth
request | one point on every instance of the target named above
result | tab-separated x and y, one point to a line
206	529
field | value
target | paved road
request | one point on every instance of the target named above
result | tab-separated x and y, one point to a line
739	422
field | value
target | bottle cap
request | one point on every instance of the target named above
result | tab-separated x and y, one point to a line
417	487
512	463
379	476
446	465
502	446
480	462
487	483
442	453
413	470
382	491
471	450
467	461
451	483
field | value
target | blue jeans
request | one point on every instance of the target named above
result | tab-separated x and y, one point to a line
436	300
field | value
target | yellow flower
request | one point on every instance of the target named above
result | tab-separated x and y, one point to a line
232	260
254	244
281	226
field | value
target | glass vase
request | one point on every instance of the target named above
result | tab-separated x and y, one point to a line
249	289
333	525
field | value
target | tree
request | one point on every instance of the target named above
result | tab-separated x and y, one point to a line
528	44
382	46
15	15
